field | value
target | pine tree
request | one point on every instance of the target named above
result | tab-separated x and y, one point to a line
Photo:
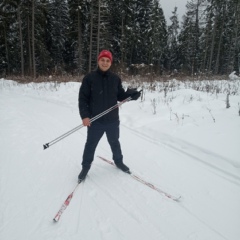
19	19
75	37
43	36
117	29
221	37
173	31
189	46
9	44
43	58
232	30
158	39
58	29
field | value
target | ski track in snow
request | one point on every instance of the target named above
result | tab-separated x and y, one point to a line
192	215
108	205
193	151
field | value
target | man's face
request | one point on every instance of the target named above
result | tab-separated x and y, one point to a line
104	64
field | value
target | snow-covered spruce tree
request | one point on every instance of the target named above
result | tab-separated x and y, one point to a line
26	28
58	29
173	31
91	31
9	38
98	30
141	35
104	26
137	30
117	13
213	35
206	38
231	60
19	19
189	47
18	40
35	37
157	49
3	64
78	10
220	39
186	45
44	61
93	34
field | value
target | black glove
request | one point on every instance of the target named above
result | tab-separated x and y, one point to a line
133	93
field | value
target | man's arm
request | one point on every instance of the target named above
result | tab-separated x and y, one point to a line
84	99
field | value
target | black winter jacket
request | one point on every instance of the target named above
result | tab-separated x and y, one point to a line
98	92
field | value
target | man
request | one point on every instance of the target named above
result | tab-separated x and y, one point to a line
100	90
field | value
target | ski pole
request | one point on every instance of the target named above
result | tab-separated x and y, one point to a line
47	145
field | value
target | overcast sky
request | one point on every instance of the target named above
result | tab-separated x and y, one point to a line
168	7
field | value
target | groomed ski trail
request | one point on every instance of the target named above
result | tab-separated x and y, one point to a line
108	205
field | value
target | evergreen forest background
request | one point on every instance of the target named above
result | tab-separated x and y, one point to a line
64	37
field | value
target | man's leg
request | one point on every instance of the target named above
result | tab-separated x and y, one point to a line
94	134
112	132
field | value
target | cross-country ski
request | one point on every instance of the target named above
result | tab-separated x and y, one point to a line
141	180
65	204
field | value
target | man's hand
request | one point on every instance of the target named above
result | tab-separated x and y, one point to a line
86	122
133	93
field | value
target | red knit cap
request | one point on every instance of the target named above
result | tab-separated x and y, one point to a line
105	53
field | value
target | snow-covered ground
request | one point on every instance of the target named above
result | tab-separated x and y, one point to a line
184	141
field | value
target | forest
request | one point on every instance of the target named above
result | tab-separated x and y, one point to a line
64	37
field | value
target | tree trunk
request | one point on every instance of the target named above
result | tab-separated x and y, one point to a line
98	31
196	51
29	49
6	50
236	43
20	39
233	40
204	62
79	42
33	40
122	41
219	46
91	36
212	45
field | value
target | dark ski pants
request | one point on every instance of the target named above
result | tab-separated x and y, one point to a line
94	134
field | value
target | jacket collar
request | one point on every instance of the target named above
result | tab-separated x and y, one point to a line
102	72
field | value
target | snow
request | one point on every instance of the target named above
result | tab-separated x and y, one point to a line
189	147
234	76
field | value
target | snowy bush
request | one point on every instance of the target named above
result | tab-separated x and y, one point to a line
233	76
